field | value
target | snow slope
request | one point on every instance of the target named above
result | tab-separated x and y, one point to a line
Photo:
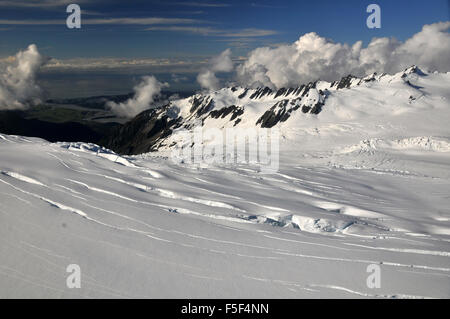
366	181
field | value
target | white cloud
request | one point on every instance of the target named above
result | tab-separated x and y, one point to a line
116	63
249	33
221	63
187	29
104	21
208	80
210	31
18	88
313	57
144	94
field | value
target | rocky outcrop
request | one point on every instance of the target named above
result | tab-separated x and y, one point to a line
344	83
201	105
310	101
225	111
261	92
142	134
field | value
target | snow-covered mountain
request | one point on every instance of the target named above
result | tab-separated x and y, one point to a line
338	101
363	179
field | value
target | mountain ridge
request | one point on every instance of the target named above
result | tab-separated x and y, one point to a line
238	106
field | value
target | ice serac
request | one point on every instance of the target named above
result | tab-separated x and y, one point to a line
282	108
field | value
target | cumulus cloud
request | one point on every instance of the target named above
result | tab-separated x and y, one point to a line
313	57
221	63
208	80
144	94
18	88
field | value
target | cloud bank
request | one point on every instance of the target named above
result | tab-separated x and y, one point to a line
144	94
313	57
18	88
222	63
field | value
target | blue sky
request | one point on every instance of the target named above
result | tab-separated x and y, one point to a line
176	38
200	28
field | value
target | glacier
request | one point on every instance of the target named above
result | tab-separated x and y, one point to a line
365	181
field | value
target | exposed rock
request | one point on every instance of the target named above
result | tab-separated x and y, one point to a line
143	133
344	83
201	104
283	109
243	94
223	112
261	92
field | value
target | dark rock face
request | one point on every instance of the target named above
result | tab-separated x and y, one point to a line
243	94
344	83
305	89
280	92
282	110
315	109
201	105
296	91
223	112
148	130
142	134
260	93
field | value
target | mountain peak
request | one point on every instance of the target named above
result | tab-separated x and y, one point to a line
414	69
